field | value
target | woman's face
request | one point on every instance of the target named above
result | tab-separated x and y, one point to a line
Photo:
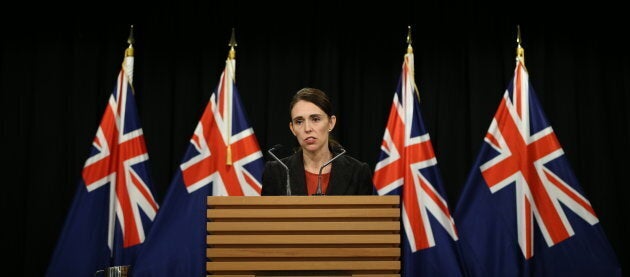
310	125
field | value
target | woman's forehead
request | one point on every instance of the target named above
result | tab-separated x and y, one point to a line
305	109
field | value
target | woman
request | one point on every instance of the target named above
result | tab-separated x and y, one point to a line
311	122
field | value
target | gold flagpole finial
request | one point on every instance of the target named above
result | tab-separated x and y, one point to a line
232	44
409	40
131	40
409	62
128	61
520	52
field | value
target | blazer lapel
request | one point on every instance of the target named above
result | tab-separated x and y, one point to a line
296	169
339	177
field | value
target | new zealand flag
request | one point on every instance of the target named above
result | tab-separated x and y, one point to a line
408	167
522	211
114	206
223	159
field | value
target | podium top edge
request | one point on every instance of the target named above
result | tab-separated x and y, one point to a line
305	200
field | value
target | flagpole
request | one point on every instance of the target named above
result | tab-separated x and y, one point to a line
231	57
127	68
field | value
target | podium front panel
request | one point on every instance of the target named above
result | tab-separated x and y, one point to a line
303	236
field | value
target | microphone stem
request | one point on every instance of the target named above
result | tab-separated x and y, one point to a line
319	176
288	185
319	182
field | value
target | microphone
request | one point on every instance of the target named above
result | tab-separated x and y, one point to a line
318	192
284	165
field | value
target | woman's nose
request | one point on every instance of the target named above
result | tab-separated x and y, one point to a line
307	126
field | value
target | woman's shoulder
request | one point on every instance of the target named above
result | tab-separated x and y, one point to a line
286	160
350	160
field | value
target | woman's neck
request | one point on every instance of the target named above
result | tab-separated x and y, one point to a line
313	161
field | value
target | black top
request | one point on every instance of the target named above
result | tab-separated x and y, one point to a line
348	176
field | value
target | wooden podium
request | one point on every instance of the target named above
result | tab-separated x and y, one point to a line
303	236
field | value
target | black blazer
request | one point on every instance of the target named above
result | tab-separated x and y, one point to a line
348	176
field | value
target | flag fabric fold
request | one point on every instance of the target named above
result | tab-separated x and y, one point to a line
114	206
407	166
522	211
223	159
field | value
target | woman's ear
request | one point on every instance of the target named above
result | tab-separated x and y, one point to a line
332	122
291	128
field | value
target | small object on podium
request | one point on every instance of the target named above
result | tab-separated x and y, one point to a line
114	271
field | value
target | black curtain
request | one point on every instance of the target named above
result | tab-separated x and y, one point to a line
59	63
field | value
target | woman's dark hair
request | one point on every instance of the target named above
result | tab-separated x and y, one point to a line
315	96
321	100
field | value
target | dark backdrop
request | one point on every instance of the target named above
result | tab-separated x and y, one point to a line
59	64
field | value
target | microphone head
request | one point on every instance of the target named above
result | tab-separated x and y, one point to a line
274	148
339	149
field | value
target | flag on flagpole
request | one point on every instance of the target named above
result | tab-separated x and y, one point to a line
408	167
114	206
223	159
522	211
